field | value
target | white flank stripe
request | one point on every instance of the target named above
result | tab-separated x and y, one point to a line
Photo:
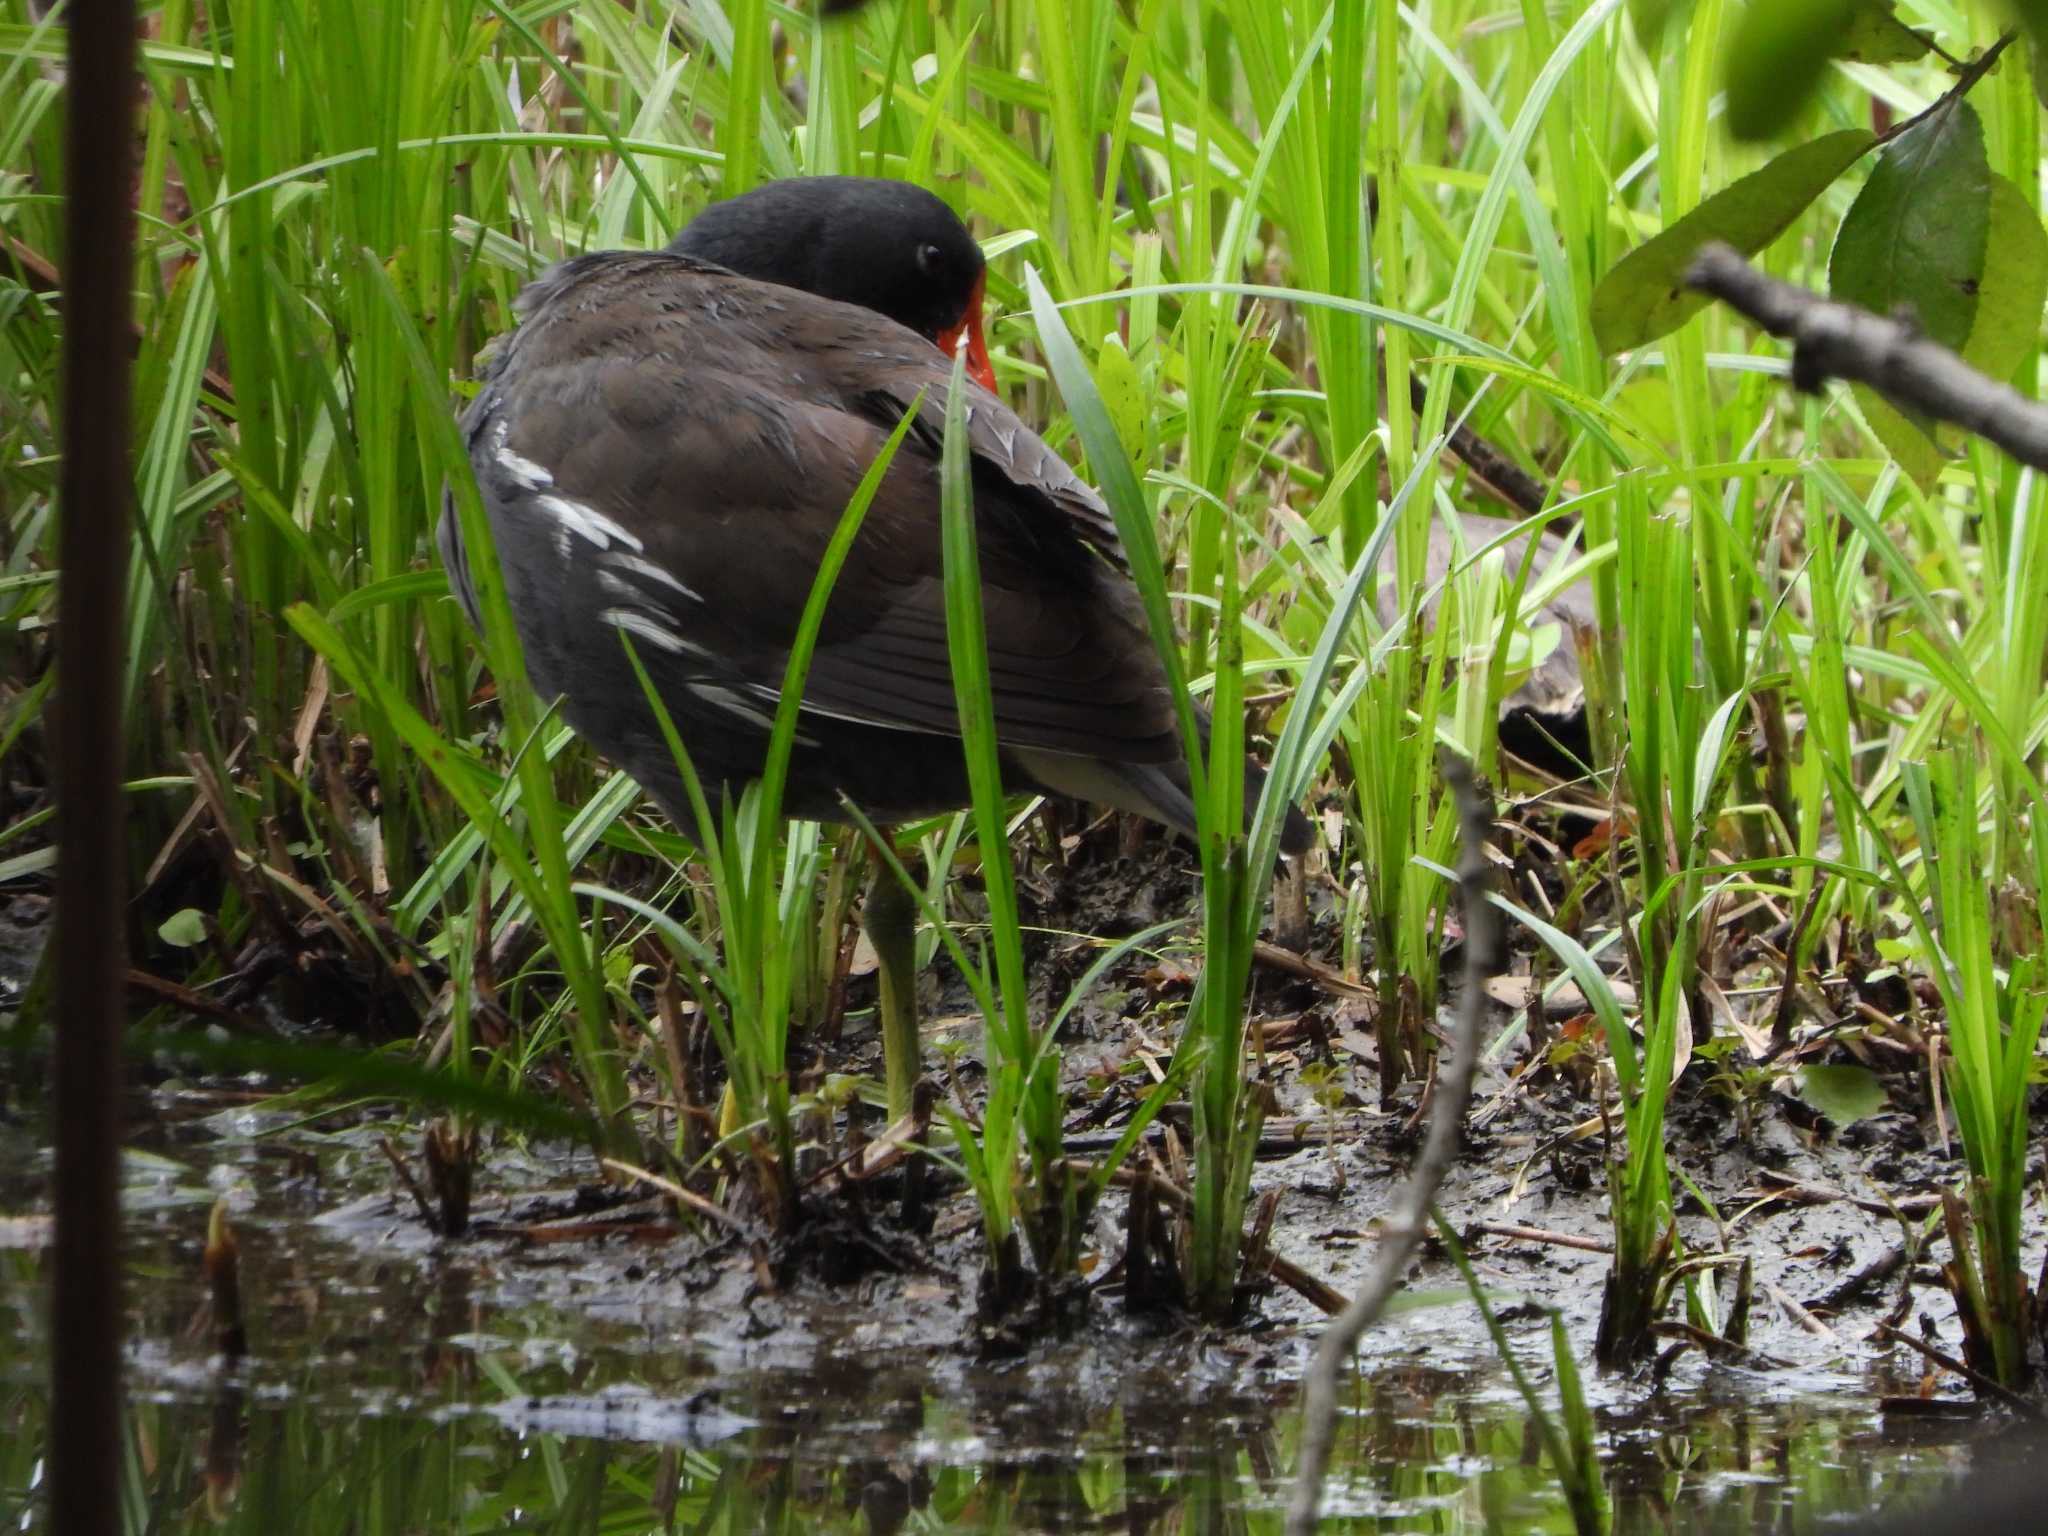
587	523
531	476
732	703
647	570
634	622
825	712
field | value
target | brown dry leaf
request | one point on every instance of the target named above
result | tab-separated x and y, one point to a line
887	1149
1359	1044
1168	976
1754	1040
1511	991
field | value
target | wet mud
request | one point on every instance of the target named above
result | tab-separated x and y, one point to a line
582	1314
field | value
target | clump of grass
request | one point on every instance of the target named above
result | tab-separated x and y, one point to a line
1014	1161
1227	1116
1237	862
761	896
1024	1102
1993	991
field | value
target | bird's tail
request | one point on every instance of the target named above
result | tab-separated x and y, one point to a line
1159	791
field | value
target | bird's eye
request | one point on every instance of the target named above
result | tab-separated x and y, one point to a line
928	259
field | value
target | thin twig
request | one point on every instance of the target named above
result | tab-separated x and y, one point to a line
1827	1194
1446	1126
1798	1314
1781	1019
1851	1290
1316	1292
1714	1347
1299	966
1976	1378
191	1001
1541	1235
1493	469
1967	76
1831	340
410	1181
684	1197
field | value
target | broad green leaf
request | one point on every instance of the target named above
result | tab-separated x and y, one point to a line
2032	15
1644	297
2009	302
1779	52
2014	286
184	929
1904	439
1844	1094
1915	235
1875	36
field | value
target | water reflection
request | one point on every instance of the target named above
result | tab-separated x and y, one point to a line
396	1385
246	1462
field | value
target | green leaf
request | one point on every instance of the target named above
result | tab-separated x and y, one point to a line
2009	302
1644	296
1844	1094
1780	50
1916	233
2014	285
2032	16
2008	320
408	586
1412	1299
1905	439
382	1073
183	930
1123	395
1875	36
1651	17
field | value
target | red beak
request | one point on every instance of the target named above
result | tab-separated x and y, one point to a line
979	368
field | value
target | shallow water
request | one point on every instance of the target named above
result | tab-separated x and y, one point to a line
397	1384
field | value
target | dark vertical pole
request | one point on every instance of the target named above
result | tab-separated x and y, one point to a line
95	487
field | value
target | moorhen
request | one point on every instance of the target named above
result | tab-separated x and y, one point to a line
664	448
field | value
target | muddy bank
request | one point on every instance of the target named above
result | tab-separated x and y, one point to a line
583	1314
852	1406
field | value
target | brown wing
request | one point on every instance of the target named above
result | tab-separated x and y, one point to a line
695	437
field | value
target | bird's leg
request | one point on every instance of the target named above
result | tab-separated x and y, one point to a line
1290	905
889	916
835	953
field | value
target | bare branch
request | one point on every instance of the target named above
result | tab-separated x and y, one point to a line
1967	76
1831	340
1446	1125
